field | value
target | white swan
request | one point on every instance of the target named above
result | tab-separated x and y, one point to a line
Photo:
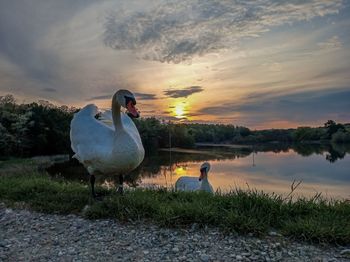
187	183
106	149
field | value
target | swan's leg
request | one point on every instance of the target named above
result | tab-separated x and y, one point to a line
93	193
120	189
92	182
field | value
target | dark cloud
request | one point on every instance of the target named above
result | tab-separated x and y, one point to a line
143	96
103	97
177	31
176	93
49	89
174	119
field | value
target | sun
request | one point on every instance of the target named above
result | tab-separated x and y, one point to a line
179	110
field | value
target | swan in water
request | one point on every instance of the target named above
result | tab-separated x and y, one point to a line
187	183
112	150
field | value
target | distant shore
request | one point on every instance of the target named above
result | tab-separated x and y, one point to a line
223	145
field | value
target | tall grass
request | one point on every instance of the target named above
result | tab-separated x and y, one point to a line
314	219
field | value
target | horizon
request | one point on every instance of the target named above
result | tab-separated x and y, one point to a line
49	103
263	65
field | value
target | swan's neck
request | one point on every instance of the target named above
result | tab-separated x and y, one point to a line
205	183
116	114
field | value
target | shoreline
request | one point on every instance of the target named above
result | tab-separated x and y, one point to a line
243	211
250	146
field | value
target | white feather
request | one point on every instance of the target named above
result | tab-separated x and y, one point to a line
103	149
188	183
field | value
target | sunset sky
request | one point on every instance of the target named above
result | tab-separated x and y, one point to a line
259	64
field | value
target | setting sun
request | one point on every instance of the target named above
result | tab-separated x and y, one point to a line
179	111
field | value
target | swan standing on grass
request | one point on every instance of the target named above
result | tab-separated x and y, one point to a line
106	149
187	183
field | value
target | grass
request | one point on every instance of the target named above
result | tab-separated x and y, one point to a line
316	219
17	166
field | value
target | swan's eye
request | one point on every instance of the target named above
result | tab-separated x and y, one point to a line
129	99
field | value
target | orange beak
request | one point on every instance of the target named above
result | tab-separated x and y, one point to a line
201	176
132	110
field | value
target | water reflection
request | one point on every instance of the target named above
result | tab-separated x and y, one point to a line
271	168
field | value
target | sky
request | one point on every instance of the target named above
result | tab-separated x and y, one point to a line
260	64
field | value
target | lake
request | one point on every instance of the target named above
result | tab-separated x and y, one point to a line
271	168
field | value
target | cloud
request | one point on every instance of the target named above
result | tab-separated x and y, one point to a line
143	96
56	50
332	43
102	97
337	71
176	93
36	68
304	107
49	89
174	118
22	25
178	31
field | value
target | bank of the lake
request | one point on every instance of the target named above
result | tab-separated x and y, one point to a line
314	219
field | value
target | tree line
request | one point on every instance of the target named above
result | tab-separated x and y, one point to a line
41	128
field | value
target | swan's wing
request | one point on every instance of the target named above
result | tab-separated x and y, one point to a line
186	183
90	139
106	118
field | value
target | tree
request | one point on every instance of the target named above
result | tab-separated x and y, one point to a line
341	136
332	128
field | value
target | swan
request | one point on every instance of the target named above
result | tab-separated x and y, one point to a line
103	149
187	183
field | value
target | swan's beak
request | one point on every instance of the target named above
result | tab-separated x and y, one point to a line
132	110
201	176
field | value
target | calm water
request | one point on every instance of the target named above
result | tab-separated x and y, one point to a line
270	168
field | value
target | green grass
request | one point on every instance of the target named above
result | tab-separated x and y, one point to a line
315	219
15	161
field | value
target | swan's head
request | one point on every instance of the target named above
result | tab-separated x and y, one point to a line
205	167
127	100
